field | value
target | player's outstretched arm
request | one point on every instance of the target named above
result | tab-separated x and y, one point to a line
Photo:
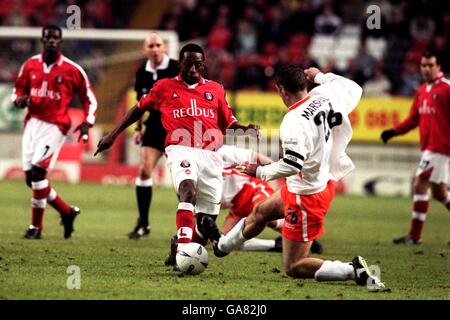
133	115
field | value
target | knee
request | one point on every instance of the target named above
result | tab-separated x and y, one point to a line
187	192
258	213
145	173
295	270
38	174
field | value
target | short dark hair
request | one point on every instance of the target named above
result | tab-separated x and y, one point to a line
291	77
429	53
191	47
51	27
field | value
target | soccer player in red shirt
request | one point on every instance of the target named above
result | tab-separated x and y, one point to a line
195	114
431	112
45	86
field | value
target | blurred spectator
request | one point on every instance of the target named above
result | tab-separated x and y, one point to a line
379	86
366	62
275	26
302	20
354	72
220	36
250	74
422	28
246	41
411	79
328	22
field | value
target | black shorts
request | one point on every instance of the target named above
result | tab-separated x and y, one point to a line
155	134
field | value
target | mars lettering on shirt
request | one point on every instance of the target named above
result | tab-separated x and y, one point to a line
193	115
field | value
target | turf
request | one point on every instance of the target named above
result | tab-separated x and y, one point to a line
114	267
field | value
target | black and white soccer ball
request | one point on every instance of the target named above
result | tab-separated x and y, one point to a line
192	258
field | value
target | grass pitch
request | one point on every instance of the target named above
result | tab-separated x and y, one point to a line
114	267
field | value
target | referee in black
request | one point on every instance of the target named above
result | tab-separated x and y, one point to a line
157	66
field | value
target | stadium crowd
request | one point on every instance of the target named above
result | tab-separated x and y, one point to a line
247	40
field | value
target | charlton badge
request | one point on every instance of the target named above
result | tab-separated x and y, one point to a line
185	164
59	79
208	96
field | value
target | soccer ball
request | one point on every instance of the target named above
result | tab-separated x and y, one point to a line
192	258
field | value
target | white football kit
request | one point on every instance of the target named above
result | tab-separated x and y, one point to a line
314	135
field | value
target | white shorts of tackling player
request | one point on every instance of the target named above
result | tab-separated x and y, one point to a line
434	165
41	143
203	166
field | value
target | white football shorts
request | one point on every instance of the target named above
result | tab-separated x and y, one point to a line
433	167
203	166
41	143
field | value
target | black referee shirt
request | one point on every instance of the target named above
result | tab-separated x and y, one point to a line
145	79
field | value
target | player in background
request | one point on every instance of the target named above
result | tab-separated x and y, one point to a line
431	112
314	135
158	66
45	86
195	114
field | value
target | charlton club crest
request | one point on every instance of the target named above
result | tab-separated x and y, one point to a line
208	96
185	164
59	79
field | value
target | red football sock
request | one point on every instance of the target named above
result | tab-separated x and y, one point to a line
56	202
41	189
185	222
419	214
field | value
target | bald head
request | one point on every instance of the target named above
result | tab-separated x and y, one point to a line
154	49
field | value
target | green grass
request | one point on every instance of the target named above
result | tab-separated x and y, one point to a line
113	267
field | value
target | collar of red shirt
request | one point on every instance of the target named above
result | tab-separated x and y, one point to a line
438	77
58	61
298	103
201	81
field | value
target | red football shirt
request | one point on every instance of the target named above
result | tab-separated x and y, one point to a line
431	112
51	88
193	115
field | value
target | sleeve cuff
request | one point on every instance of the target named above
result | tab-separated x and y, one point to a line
258	172
319	78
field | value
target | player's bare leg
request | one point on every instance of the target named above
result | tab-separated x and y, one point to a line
296	262
419	212
440	193
148	159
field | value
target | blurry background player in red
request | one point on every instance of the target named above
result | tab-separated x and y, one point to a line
242	192
157	66
431	112
45	85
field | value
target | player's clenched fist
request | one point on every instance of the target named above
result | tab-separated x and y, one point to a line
311	73
22	102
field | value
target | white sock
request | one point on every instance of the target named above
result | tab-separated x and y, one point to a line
256	244
233	238
335	271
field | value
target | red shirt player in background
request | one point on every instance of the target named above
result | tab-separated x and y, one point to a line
46	85
195	114
431	112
